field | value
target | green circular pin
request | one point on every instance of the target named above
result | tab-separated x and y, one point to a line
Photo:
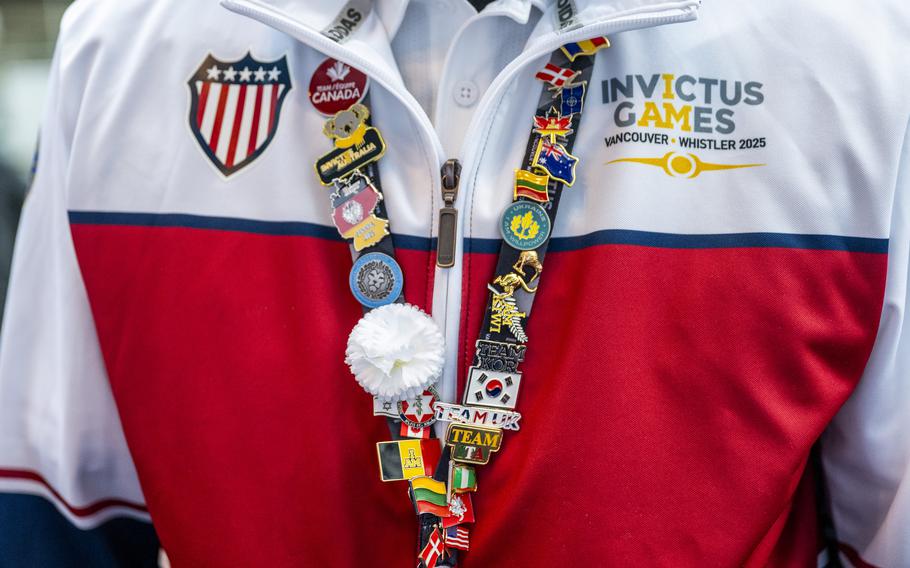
525	225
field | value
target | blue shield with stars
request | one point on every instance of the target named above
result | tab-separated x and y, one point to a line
235	108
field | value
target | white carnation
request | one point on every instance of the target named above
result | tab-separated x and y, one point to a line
395	351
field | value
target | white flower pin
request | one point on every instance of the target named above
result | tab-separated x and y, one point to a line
395	351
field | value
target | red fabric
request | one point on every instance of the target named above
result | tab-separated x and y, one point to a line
225	350
670	399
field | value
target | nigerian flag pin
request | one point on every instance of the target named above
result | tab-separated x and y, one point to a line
464	480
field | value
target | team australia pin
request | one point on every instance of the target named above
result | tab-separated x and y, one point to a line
356	144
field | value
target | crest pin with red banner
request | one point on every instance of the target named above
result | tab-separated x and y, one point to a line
235	108
336	86
352	203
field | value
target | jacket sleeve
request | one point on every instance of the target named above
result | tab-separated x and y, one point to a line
866	450
69	494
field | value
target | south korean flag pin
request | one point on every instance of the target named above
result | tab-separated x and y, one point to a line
491	388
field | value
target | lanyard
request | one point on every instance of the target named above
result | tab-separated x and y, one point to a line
440	483
493	383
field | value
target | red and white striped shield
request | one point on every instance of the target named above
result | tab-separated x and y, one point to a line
235	108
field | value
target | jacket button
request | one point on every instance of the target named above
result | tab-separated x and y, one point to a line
466	93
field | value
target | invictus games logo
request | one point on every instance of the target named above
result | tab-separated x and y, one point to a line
684	113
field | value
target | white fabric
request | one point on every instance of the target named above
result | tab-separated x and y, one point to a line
57	415
867	448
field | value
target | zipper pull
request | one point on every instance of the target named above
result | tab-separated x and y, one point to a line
448	215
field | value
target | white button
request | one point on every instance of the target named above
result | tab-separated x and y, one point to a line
466	93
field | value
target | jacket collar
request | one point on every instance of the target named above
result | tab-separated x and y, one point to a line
369	49
368	45
318	14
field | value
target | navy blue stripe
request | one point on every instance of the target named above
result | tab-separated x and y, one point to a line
282	228
562	244
720	241
34	534
278	228
728	240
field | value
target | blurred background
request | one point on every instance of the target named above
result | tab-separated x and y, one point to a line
28	30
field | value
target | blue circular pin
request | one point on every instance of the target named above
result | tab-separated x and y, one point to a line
525	225
376	280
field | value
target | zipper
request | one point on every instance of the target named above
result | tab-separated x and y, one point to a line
448	215
447	292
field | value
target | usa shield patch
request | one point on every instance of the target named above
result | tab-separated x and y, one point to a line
235	108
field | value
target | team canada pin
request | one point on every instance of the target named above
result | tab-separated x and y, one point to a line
336	86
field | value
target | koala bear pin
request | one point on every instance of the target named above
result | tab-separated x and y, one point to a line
347	127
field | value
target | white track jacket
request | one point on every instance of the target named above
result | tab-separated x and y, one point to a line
718	372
